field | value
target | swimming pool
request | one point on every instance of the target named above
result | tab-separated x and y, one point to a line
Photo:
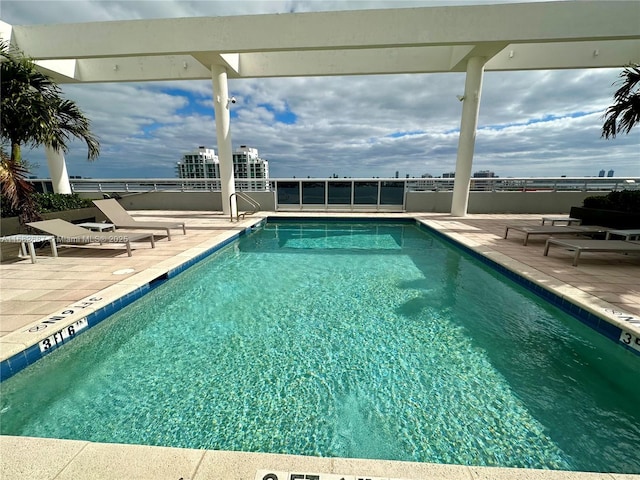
374	341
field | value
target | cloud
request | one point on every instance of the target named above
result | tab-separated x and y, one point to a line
531	123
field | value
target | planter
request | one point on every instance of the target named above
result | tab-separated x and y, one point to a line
606	218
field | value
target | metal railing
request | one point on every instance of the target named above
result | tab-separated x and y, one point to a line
522	184
529	184
246	198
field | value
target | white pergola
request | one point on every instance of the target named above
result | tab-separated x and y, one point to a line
471	39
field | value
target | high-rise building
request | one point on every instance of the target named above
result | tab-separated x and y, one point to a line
248	164
484	174
424	183
203	163
610	173
601	173
448	185
483	184
250	171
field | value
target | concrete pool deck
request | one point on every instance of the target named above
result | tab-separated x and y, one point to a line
31	293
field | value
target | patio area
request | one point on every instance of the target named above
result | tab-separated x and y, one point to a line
33	292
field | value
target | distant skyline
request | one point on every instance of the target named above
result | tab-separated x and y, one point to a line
531	123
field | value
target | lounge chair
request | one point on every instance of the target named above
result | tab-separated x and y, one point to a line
629	234
121	218
565	220
579	246
68	233
553	230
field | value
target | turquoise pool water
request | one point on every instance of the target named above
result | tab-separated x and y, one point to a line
372	341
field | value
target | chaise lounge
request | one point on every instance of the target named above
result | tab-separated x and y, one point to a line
579	246
553	230
121	218
68	233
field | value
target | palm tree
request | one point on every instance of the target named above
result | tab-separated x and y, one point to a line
33	110
625	112
33	113
15	189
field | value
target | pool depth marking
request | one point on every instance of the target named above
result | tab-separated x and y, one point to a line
278	475
53	319
61	336
632	340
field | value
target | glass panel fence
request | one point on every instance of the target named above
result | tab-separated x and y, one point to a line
313	193
365	193
288	193
339	193
391	193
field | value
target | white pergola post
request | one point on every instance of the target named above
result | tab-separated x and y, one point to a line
467	140
58	171
225	155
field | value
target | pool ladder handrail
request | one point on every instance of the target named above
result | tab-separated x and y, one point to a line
246	198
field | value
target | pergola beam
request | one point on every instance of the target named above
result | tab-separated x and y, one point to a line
551	56
504	57
522	36
408	27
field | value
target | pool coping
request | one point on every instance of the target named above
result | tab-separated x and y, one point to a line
206	463
49	459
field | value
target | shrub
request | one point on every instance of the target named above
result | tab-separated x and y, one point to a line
622	201
6	210
55	202
49	202
600	202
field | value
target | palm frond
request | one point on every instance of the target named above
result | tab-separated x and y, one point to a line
71	122
15	188
624	114
33	110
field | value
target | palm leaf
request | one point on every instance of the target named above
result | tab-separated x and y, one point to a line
33	110
624	114
15	188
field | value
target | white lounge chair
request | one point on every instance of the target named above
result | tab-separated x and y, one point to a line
553	230
579	246
565	220
629	234
68	233
121	218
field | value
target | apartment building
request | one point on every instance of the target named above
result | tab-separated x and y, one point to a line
203	163
250	171
247	164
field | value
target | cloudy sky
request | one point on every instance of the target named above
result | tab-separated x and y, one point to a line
542	123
